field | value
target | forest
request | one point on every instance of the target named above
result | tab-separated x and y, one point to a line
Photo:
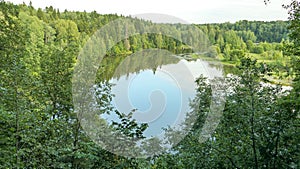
40	129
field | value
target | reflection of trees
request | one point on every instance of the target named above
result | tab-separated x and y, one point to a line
230	69
115	67
226	69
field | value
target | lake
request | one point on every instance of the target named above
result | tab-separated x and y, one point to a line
159	92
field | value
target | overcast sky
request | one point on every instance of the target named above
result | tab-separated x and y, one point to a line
192	11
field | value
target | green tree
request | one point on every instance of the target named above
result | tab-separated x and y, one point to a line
17	91
255	124
294	48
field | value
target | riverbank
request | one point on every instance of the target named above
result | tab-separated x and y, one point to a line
276	76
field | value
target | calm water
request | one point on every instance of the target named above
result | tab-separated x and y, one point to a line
161	96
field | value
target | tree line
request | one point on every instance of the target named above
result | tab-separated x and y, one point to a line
39	128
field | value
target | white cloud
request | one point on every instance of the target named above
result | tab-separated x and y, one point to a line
196	11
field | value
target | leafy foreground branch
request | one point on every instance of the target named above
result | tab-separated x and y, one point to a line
256	130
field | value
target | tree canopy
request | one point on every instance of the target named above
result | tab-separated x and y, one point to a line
40	129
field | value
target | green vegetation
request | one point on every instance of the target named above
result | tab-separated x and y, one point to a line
263	41
39	128
253	132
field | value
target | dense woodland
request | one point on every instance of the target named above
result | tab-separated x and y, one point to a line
39	128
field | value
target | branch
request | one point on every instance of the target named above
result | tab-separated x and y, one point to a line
229	158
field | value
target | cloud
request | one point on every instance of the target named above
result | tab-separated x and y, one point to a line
193	11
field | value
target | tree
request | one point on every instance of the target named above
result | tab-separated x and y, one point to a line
250	45
17	85
256	129
294	48
236	54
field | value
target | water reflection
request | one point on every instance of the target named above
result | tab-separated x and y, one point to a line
153	88
159	87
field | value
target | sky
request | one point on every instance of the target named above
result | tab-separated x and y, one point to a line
191	11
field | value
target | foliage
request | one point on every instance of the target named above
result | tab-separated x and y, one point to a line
39	128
